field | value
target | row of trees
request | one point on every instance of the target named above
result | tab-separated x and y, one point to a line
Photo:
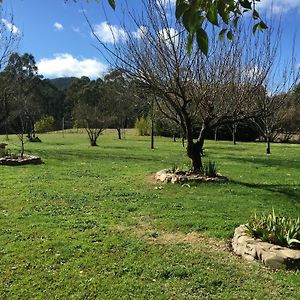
236	81
26	100
110	102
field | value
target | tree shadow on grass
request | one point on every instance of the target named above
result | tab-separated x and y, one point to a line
269	162
288	190
88	155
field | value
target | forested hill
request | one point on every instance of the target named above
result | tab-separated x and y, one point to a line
63	83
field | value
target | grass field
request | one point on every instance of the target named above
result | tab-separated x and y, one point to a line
91	224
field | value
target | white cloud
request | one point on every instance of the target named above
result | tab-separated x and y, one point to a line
169	35
65	65
141	31
58	26
278	6
109	33
11	27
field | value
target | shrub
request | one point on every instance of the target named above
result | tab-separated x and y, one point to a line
275	229
210	169
45	124
143	125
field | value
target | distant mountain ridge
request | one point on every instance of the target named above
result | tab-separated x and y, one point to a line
63	83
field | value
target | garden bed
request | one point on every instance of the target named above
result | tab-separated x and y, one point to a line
18	161
271	255
184	177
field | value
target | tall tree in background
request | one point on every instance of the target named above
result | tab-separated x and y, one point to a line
23	79
122	96
9	38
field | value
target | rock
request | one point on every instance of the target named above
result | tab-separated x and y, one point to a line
272	260
182	177
273	256
25	160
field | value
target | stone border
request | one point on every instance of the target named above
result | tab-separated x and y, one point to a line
183	177
26	160
273	256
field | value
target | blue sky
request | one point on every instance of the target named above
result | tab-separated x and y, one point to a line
58	36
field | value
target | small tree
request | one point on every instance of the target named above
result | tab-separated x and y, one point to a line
45	124
93	110
143	125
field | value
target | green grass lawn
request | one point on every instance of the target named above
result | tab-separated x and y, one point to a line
91	224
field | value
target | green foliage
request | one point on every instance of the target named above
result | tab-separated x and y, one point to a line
143	125
210	169
45	124
185	167
195	15
275	229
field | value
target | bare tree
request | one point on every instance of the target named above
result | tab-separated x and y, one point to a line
9	38
194	90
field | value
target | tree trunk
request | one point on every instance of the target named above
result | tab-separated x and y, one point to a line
22	145
268	145
93	142
194	150
174	137
182	141
233	131
216	134
119	133
152	133
6	133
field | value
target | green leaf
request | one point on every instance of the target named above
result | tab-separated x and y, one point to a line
221	34
236	21
293	241
255	14
112	3
212	15
202	40
186	20
230	35
181	7
223	12
190	40
255	28
262	25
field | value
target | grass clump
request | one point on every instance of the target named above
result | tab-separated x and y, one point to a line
210	169
275	229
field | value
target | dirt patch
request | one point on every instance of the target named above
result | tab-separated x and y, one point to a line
194	239
151	179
